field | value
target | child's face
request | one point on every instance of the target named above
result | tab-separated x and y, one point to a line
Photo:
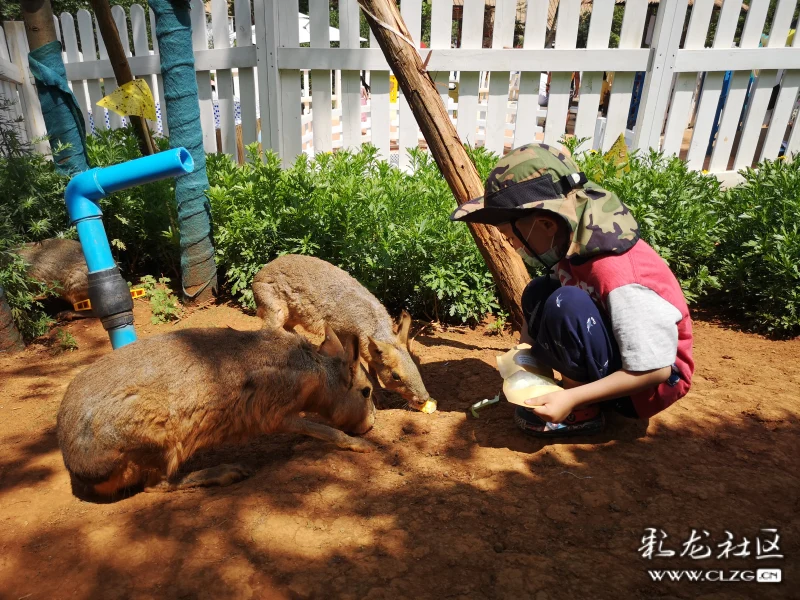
539	232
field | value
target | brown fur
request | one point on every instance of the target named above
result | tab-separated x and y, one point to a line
303	290
136	415
60	264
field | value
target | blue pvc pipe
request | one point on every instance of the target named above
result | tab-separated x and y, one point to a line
86	189
122	336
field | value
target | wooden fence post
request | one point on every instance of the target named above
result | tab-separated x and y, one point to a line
658	81
31	108
430	113
269	97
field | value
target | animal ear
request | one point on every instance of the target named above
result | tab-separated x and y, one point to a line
372	348
375	348
331	346
351	349
403	327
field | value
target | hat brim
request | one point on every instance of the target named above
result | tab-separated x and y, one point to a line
474	211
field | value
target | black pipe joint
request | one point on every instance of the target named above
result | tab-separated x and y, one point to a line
111	298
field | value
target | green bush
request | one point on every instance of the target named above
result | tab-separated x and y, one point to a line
31	209
31	191
759	252
66	341
164	305
22	294
389	229
677	210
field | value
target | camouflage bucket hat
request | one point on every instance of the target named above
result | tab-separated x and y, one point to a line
539	177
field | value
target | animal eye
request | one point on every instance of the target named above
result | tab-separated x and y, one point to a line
395	376
366	392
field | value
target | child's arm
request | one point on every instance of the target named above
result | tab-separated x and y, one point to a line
556	406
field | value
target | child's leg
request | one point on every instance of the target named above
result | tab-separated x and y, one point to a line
533	300
572	337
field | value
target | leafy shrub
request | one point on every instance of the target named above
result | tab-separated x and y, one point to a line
677	210
66	341
31	191
22	294
31	209
164	305
499	324
389	229
759	252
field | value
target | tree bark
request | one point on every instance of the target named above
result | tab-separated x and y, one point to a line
122	70
419	90
10	338
39	27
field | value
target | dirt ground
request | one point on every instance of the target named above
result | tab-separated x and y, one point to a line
449	506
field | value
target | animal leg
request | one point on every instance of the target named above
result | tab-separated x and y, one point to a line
220	475
273	311
326	433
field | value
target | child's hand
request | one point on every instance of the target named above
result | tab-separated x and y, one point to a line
554	407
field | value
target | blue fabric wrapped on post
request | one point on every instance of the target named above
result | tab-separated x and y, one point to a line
62	116
174	33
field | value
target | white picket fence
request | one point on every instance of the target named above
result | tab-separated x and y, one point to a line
310	99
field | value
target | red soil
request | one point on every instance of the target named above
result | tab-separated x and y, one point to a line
448	507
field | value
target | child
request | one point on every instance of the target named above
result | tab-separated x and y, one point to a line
610	316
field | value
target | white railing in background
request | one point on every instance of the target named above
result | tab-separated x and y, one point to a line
256	82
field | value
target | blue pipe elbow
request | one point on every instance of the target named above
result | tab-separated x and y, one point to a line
86	189
82	198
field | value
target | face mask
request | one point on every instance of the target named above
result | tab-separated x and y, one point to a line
527	258
547	259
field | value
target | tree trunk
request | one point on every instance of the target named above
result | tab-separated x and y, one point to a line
39	26
506	267
174	34
63	118
122	70
10	338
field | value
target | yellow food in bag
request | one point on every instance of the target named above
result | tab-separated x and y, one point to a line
522	377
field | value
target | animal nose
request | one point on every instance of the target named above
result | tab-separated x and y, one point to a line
366	426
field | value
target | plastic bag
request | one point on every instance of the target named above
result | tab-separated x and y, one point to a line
523	377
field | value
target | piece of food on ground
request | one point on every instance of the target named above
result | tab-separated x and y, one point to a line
429	406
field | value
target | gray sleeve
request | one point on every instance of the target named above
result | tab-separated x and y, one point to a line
645	327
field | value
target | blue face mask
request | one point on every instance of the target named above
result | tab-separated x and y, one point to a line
547	259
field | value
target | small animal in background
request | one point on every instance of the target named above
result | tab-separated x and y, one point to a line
304	290
134	416
61	265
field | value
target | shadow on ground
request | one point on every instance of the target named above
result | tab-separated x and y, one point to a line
437	512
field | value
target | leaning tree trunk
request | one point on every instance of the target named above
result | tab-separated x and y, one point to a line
174	33
122	70
507	268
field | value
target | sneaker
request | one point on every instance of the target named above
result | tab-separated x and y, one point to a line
586	421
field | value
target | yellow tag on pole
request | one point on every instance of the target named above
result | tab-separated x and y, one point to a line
393	89
131	99
618	154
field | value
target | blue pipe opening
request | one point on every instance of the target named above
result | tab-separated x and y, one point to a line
82	197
